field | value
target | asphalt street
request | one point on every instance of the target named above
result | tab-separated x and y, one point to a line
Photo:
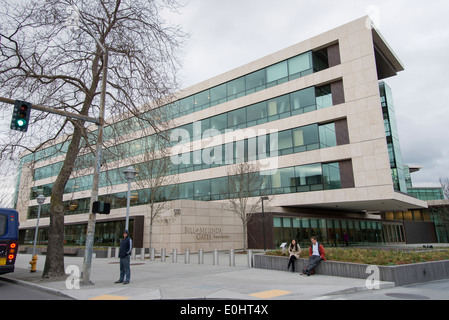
14	291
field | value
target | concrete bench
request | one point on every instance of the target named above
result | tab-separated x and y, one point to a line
67	251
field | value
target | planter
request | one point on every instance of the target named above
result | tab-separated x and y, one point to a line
401	274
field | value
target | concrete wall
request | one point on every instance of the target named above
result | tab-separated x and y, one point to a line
195	225
401	275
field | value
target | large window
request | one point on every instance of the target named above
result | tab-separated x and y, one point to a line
287	70
331	176
280	72
328	137
276	74
265	111
304	178
329	232
303	101
290	141
106	234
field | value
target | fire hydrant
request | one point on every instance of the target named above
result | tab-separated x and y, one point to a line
33	263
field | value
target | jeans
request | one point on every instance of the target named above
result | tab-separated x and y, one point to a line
125	271
291	261
313	262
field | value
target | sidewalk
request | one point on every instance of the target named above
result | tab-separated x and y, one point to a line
156	280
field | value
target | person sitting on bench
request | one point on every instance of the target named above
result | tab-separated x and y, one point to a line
316	254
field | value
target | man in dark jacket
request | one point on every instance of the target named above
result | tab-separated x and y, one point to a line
126	246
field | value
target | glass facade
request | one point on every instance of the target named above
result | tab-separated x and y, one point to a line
106	234
279	73
439	215
290	141
295	179
287	70
302	101
394	150
426	194
330	232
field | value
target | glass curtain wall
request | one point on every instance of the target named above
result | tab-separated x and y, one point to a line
330	232
106	234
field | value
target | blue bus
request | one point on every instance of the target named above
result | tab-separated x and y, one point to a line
9	239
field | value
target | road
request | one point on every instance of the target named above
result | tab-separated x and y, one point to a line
436	290
12	291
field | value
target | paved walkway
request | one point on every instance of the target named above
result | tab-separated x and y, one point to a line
156	280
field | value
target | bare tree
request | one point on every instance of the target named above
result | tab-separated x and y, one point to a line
155	180
445	185
46	62
443	212
244	190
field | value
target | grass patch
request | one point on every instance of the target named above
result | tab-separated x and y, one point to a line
382	257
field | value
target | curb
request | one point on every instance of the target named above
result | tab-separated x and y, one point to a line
382	286
31	285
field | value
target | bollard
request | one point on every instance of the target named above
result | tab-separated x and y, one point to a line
174	257
109	252
133	254
232	258
151	254
117	249
250	258
215	262
187	256
163	255
200	256
142	254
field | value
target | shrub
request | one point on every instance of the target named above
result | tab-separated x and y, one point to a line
377	256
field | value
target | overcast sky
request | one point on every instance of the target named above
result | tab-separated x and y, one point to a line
231	33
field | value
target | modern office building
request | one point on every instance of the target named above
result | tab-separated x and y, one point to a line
316	118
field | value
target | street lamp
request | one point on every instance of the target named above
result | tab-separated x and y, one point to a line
263	221
130	174
40	200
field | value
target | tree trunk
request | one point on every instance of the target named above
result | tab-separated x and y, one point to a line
245	235
151	233
54	262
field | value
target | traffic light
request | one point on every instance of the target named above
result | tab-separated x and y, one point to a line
21	116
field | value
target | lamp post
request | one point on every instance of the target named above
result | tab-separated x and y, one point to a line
40	200
263	221
130	174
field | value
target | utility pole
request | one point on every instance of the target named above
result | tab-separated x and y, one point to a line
87	264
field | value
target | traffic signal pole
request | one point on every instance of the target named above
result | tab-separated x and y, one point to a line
55	111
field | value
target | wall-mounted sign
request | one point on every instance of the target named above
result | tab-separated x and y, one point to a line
206	233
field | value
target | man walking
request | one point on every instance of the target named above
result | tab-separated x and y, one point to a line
316	254
126	246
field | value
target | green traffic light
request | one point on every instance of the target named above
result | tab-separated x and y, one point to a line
21	115
21	123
